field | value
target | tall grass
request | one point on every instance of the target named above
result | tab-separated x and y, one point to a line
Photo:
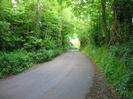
114	69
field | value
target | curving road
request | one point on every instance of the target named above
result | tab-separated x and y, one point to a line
68	76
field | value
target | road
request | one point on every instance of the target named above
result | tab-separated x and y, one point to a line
68	76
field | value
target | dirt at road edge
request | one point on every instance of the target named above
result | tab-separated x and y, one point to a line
100	88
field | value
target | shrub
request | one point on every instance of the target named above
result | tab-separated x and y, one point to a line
19	60
115	69
14	62
45	55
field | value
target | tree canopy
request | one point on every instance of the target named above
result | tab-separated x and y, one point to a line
33	31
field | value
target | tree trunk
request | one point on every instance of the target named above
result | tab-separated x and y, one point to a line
104	22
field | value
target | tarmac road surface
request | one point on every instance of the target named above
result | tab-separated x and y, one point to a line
69	76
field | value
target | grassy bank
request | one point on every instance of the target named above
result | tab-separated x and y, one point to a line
17	61
114	69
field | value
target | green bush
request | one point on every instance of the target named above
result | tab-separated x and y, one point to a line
45	55
14	62
17	61
115	69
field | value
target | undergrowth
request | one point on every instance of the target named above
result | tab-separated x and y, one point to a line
19	60
114	68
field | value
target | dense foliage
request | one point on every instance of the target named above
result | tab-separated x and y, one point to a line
109	39
31	31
